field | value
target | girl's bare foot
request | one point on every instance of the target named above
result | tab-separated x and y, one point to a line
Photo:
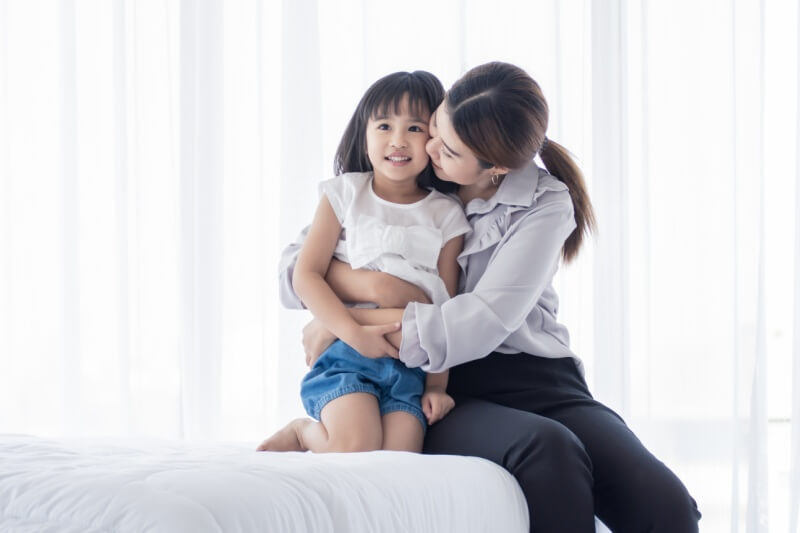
286	439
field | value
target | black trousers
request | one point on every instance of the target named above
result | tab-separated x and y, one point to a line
573	457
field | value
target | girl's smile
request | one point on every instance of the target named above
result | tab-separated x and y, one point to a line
396	144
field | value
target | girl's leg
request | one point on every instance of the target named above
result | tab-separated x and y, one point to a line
402	432
349	423
548	461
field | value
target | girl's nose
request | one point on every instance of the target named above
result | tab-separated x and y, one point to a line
399	140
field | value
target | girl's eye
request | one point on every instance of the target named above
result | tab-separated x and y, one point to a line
415	129
383	126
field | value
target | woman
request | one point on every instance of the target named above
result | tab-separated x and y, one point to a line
521	399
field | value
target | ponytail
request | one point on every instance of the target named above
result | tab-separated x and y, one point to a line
558	162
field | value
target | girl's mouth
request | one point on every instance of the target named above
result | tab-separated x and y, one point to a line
398	160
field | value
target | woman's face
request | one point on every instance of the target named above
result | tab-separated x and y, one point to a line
452	160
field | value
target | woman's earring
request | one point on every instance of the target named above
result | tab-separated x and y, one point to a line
495	179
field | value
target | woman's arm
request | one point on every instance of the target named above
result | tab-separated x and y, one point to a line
473	324
359	285
309	283
316	337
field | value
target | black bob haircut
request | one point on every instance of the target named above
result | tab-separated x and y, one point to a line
425	93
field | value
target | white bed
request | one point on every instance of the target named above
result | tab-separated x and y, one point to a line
62	485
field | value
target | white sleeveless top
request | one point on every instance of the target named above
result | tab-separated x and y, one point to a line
403	240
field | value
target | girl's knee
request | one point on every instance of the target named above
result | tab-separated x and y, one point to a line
355	443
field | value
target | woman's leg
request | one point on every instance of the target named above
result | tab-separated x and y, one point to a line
402	432
547	460
633	490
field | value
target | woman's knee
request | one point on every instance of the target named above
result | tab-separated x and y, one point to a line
654	501
549	446
668	504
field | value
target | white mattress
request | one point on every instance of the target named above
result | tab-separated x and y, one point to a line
155	486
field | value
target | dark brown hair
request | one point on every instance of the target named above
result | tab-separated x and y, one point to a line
425	93
499	112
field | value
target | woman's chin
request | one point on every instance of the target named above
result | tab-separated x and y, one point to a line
440	173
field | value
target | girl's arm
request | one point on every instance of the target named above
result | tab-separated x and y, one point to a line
361	285
308	281
316	337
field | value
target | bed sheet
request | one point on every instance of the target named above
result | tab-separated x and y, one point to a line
70	485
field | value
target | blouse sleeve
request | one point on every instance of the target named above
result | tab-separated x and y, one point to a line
286	266
340	192
471	325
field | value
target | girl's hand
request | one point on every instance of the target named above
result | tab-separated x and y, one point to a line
436	403
370	341
316	339
392	292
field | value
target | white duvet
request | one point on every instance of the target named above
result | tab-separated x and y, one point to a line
92	486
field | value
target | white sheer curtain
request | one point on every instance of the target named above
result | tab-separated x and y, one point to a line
138	220
155	157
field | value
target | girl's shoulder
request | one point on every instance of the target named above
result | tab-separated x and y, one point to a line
445	200
350	179
345	185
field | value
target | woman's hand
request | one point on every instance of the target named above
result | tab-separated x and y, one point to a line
316	339
370	341
392	292
436	403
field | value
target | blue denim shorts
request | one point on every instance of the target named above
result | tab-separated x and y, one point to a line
341	370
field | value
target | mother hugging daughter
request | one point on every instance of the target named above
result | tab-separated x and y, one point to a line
519	395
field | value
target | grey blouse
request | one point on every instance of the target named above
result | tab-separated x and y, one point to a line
506	301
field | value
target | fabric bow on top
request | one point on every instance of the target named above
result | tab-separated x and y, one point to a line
372	238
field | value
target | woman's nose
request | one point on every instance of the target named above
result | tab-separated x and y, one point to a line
432	147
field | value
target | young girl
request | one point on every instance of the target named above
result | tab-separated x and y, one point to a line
378	214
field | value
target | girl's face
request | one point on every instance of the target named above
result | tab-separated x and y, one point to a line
396	144
452	160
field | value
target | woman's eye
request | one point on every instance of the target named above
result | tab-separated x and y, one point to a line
383	126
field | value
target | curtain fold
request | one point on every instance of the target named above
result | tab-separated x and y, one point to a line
794	442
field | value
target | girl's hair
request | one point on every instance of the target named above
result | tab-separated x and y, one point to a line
425	93
499	112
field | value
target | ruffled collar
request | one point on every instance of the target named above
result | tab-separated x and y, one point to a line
518	188
518	191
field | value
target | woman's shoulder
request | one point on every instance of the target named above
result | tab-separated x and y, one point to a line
533	186
550	199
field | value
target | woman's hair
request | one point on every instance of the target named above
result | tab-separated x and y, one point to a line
499	112
425	93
